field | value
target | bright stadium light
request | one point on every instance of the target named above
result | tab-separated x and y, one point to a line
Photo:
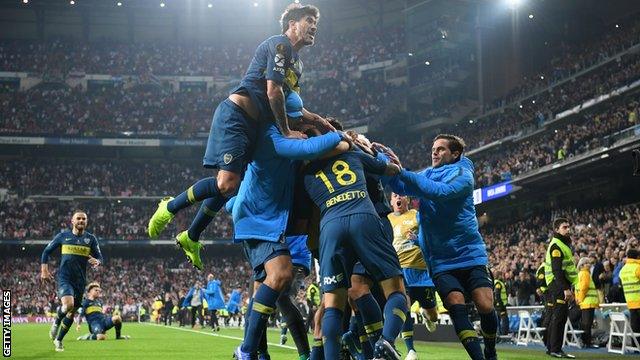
297	1
255	4
513	4
210	6
25	1
427	63
530	16
119	4
72	2
161	5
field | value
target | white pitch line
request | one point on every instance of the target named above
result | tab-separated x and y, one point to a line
218	335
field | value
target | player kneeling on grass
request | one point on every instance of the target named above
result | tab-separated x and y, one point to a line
98	322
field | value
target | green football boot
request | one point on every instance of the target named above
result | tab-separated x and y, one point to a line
160	218
191	249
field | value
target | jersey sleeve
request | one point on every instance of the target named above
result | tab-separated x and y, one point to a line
459	185
54	244
278	59
371	164
297	149
95	249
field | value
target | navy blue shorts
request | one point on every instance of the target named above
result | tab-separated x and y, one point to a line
259	252
424	295
347	239
70	288
101	326
416	277
231	139
463	280
358	268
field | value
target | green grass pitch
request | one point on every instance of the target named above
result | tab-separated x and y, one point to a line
31	341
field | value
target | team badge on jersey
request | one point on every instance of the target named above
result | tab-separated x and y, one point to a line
87	240
227	158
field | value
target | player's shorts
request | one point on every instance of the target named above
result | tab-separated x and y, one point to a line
231	139
424	295
346	239
416	277
101	326
259	252
71	288
464	280
358	268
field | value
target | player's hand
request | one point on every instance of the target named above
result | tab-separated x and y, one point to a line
322	122
392	170
392	156
568	295
45	275
94	262
293	134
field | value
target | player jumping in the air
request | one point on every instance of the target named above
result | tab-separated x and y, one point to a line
79	247
259	99
98	322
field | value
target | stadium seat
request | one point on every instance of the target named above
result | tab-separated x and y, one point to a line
620	330
527	331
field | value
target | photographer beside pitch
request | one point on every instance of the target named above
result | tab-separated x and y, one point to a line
455	249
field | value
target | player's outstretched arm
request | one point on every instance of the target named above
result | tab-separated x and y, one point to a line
309	149
417	184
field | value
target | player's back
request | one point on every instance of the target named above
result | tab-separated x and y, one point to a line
338	185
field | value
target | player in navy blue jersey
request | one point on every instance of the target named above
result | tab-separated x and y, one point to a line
78	247
99	323
351	230
259	99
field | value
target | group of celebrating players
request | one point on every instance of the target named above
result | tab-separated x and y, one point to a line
297	184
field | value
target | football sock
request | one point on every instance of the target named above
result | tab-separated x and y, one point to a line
407	332
395	313
332	332
371	316
202	189
208	210
464	328
489	326
64	328
264	304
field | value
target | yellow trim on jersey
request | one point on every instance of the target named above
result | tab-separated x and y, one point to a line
79	250
92	309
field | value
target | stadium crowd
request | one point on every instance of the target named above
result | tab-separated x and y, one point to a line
127	282
112	219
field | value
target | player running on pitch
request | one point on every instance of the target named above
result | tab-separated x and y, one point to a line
98	322
79	247
258	100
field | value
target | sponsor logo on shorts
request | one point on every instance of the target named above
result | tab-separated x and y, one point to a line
227	158
328	280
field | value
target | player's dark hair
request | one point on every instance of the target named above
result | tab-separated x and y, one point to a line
296	12
92	285
336	124
78	211
559	221
456	143
633	254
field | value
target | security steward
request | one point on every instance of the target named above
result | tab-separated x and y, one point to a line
630	278
588	300
561	274
500	303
